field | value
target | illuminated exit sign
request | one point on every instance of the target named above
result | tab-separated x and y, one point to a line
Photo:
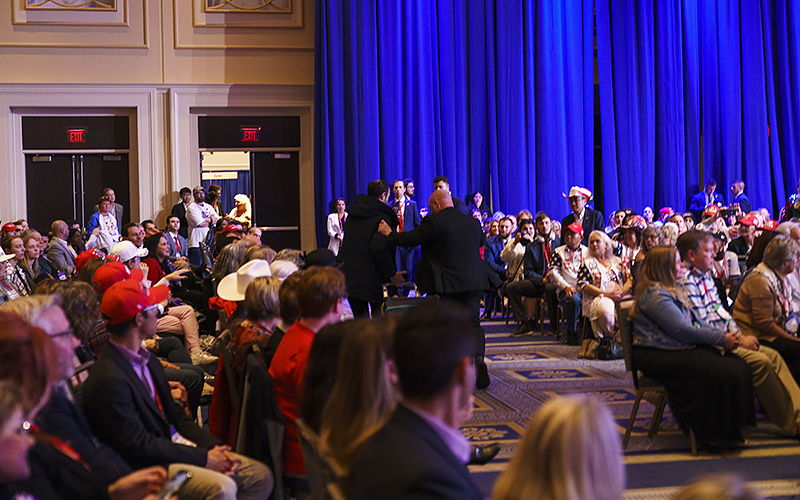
76	135
250	134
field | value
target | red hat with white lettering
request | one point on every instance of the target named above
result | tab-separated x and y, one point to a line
114	272
749	220
575	228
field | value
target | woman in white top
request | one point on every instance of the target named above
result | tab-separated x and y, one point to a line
242	212
336	225
602	279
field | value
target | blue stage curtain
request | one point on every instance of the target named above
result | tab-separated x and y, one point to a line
499	96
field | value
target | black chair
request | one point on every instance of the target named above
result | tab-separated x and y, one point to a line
646	388
325	474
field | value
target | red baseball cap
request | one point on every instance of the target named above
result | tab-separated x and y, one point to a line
88	255
125	299
114	272
575	228
10	226
771	225
749	220
711	211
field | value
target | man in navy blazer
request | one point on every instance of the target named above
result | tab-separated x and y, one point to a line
129	406
408	219
704	198
491	255
420	452
536	264
178	246
588	219
739	198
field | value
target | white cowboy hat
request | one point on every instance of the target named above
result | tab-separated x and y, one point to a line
233	286
578	191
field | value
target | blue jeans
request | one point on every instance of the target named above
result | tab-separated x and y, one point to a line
195	257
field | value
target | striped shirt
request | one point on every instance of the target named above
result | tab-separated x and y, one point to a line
704	300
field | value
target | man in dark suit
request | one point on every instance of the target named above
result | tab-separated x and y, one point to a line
179	209
441	182
536	264
704	198
407	220
129	406
367	260
491	255
450	264
739	198
420	452
588	219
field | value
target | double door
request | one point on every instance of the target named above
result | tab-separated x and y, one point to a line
66	186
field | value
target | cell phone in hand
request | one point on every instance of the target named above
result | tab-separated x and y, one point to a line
172	486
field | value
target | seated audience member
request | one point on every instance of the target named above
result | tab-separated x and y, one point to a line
148	225
102	227
296	257
710	389
491	255
742	245
718	487
60	254
651	237
670	232
363	394
631	243
129	254
14	442
663	216
601	280
33	261
162	270
589	219
774	386
7	291
535	264
81	467
16	274
614	223
323	364
256	232
570	449
679	221
762	305
420	449
289	313
241	212
178	245
261	304
514	251
135	233
12	229
567	260
648	215
124	397
491	227
321	292
229	260
260	252
282	269
688	220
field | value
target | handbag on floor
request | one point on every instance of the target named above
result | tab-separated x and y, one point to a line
609	349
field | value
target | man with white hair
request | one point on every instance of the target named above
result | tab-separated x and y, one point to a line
589	219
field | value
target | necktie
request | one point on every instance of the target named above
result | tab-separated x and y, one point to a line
400	217
177	245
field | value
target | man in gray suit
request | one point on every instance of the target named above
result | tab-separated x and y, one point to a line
178	245
61	255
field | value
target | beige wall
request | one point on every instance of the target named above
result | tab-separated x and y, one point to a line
157	41
163	63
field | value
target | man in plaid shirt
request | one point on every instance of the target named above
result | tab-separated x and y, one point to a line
774	385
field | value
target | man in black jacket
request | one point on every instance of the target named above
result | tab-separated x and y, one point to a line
129	407
179	210
535	263
588	219
367	260
450	264
420	452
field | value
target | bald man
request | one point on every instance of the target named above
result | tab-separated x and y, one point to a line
450	265
61	255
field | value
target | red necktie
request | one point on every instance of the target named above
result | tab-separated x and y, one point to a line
400	217
177	245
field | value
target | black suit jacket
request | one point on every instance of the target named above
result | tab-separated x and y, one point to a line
533	262
407	460
180	211
367	259
450	260
124	416
592	219
63	419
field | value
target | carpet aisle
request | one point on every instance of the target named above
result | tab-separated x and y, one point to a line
527	371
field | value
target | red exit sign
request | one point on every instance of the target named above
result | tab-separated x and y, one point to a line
76	135
250	134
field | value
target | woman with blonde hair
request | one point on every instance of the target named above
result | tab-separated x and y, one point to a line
242	212
363	396
570	450
602	279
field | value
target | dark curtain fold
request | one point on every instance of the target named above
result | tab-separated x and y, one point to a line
499	96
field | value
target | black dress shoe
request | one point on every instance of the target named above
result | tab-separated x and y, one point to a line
481	375
486	316
480	455
523	329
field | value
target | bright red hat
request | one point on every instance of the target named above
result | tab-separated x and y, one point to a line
124	300
711	211
10	226
575	228
771	225
88	255
749	220
114	272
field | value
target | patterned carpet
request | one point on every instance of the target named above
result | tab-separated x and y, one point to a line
527	371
